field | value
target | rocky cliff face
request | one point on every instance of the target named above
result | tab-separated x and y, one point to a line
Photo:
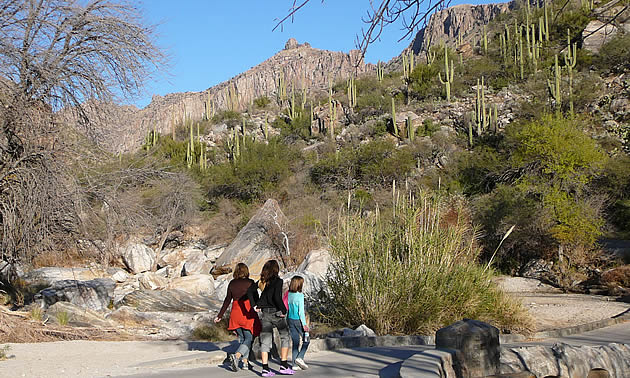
299	64
463	19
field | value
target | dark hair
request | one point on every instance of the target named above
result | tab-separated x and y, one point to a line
240	271
269	272
296	284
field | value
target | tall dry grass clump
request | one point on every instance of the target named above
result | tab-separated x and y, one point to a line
414	270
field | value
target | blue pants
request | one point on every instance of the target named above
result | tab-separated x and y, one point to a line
245	342
297	332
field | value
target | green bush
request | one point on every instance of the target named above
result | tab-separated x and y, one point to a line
261	166
615	55
414	271
262	102
423	78
296	128
376	163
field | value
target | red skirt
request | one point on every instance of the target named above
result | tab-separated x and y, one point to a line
243	316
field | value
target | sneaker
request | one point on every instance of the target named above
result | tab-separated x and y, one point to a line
247	366
233	362
268	373
296	368
286	371
300	363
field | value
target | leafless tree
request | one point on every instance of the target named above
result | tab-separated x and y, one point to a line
58	56
412	14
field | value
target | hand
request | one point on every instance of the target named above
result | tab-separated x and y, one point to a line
282	315
256	309
217	319
306	328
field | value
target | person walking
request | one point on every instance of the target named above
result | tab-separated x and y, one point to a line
272	312
298	326
243	295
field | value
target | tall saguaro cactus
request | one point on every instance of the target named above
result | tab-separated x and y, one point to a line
570	60
448	75
554	89
394	117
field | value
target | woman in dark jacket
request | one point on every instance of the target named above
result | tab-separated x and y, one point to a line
242	293
272	312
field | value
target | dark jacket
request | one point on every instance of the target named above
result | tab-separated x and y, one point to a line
271	297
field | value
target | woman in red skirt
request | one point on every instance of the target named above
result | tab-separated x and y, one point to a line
243	319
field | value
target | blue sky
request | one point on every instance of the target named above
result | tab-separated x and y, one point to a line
210	41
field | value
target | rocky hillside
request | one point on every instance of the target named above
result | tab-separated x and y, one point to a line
298	64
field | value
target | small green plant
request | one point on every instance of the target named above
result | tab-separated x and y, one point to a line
63	318
36	313
262	102
4	350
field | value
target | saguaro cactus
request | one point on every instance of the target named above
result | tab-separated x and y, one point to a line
448	75
380	72
352	92
554	89
394	117
570	60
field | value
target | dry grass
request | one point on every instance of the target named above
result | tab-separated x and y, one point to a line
16	327
617	276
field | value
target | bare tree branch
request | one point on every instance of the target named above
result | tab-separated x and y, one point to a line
413	15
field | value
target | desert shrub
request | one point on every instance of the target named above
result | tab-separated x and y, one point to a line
428	127
422	79
542	188
414	271
293	129
259	167
614	55
36	313
619	276
372	164
262	102
226	115
214	332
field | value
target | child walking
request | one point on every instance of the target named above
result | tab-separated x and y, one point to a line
298	327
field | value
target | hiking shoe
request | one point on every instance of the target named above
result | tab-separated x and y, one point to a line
268	373
286	371
233	362
300	363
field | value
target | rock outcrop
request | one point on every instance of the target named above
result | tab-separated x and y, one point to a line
612	18
264	237
460	20
297	63
94	294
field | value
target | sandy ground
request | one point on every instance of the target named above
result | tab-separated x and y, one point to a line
65	359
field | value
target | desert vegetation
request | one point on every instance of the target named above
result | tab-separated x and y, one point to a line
412	175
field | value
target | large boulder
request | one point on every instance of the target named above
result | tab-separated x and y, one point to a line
77	316
138	257
316	262
48	275
152	281
96	294
168	301
200	284
313	269
264	237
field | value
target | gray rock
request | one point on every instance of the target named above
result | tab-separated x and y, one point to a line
120	276
476	346
49	275
264	237
596	34
563	360
78	316
220	286
96	294
316	262
168	301
138	257
314	285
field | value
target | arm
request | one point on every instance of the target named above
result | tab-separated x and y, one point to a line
302	312
226	303
252	294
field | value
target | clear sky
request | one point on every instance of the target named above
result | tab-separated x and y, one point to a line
210	41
